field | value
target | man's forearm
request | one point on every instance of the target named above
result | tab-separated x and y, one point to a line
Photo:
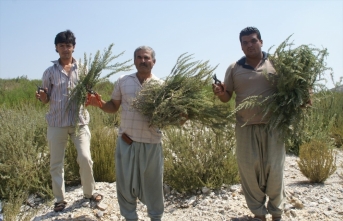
108	107
225	97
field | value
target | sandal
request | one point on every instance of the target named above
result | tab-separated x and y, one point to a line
97	197
60	206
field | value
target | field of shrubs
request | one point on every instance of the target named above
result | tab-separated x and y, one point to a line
195	156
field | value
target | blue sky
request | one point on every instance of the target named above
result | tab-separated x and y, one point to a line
207	29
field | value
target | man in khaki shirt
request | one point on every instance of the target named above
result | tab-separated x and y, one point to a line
260	154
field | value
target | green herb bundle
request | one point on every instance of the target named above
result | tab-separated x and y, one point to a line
185	93
90	74
299	71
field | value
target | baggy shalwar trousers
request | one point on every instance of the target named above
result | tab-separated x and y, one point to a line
58	140
260	158
139	175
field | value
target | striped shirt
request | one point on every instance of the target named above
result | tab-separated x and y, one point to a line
132	122
59	85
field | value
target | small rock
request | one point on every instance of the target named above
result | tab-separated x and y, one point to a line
205	190
31	201
166	189
328	214
85	204
313	204
225	197
38	199
100	214
297	203
191	200
102	206
233	188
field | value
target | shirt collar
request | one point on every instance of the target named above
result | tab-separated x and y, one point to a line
58	63
243	60
152	76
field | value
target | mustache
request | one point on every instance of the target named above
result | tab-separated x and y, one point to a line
143	64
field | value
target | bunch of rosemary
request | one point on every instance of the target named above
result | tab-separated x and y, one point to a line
89	75
185	93
299	71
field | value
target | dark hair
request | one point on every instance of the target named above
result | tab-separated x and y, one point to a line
248	31
66	37
153	54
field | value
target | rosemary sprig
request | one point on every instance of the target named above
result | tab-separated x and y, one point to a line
186	91
90	74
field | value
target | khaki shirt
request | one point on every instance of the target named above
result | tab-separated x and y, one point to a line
246	81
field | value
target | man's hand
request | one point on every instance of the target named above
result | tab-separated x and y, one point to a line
42	95
218	89
309	102
94	99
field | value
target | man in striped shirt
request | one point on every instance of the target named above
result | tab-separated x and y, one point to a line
57	81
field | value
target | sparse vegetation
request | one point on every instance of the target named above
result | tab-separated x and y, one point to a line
193	151
198	158
317	160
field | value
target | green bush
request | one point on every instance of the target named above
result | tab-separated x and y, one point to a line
320	121
103	145
198	157
18	91
24	156
337	135
103	127
317	160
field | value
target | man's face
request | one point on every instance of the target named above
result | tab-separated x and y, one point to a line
65	50
251	45
143	61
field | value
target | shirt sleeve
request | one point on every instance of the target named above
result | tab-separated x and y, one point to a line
116	94
228	81
46	81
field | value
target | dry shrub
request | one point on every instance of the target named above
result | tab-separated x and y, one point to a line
337	135
197	156
24	157
103	145
317	160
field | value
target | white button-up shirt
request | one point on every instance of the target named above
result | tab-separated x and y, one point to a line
132	122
